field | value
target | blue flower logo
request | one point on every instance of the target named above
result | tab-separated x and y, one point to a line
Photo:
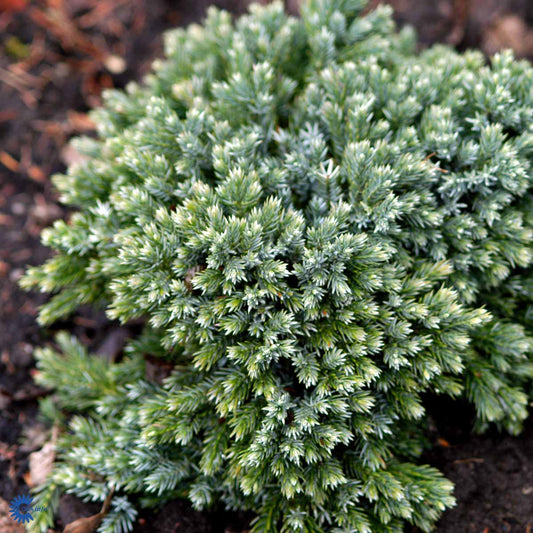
20	508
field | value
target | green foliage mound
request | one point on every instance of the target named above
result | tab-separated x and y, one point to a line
316	227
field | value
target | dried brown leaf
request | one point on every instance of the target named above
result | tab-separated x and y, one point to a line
70	156
41	464
90	523
509	31
12	5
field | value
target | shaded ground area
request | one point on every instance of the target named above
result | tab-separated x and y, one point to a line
56	56
493	473
493	476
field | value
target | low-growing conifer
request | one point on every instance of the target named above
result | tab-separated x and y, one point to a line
318	227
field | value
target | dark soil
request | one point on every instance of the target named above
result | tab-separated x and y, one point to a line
50	75
493	473
493	478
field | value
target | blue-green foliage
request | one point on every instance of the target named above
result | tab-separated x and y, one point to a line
316	226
